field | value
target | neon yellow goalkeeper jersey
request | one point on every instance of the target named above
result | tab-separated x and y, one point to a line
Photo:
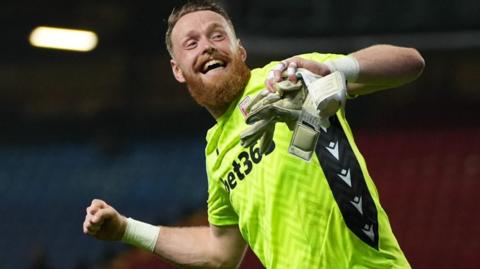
296	214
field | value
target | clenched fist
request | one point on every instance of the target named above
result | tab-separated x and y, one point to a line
104	222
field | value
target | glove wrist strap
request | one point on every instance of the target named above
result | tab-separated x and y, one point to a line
304	140
307	131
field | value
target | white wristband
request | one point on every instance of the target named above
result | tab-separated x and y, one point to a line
141	234
347	65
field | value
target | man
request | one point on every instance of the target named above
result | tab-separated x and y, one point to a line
292	213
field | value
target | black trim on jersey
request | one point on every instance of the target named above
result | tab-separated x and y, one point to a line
347	183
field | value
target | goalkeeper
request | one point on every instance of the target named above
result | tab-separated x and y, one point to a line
284	173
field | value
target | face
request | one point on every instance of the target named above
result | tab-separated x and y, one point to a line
208	58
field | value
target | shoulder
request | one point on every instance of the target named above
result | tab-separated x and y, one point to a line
319	57
262	72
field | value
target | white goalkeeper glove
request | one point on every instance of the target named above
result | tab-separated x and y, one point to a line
268	108
304	109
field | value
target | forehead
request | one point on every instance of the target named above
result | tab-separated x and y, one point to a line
197	21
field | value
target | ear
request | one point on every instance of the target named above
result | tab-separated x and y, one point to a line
177	71
243	51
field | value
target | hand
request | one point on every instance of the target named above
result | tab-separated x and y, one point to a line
291	65
104	222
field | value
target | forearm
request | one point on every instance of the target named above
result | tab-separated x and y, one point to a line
186	246
192	247
197	247
384	67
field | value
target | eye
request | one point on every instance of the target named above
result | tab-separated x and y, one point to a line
218	36
190	44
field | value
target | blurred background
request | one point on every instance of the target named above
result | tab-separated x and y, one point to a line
112	123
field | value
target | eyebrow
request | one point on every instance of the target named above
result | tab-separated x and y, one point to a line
215	25
210	27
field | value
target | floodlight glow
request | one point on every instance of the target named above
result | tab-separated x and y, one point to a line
64	39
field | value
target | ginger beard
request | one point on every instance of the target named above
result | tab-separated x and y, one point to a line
223	90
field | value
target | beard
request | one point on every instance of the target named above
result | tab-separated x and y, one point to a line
221	92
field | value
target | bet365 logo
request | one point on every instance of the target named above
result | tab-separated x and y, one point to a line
243	165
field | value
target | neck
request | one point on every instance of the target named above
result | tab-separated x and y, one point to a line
217	112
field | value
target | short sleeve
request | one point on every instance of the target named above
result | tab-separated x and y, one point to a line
220	211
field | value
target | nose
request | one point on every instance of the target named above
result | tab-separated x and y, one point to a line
207	46
209	50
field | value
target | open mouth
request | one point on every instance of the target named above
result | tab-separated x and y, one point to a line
212	65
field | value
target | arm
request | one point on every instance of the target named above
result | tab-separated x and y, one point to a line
191	247
380	67
201	247
385	66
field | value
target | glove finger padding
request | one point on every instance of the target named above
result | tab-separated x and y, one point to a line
287	86
262	130
267	138
263	98
282	105
268	108
278	111
255	131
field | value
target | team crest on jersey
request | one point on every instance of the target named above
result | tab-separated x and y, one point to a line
243	106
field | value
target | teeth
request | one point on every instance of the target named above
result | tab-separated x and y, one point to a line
210	63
